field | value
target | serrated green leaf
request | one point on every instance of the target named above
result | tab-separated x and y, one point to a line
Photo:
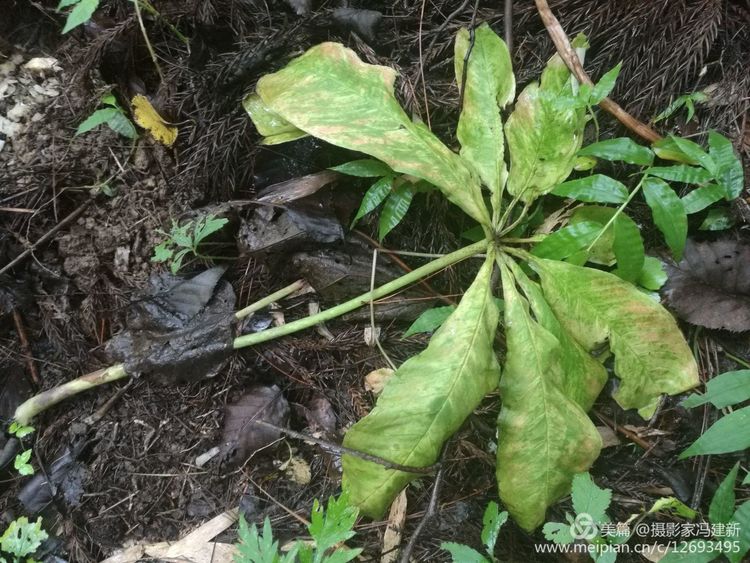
718	219
490	86
364	168
330	93
80	14
727	389
567	241
543	138
120	124
596	188
651	355
590	499
430	320
162	252
669	214
584	376
21	463
492	521
435	391
742	517
544	437
558	533
99	117
627	246
653	275
463	553
702	197
394	209
22	538
731	433
176	263
681	173
722	504
605	85
374	196
622	148
333	525
274	128
728	166
207	226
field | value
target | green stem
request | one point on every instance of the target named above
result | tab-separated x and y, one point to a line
616	214
362	300
266	301
41	402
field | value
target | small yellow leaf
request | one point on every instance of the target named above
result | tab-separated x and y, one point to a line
147	117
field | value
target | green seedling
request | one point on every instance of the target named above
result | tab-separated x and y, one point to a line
113	116
183	240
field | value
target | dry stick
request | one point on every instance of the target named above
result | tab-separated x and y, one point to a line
26	348
266	301
508	23
430	469
568	55
73	215
429	513
472	39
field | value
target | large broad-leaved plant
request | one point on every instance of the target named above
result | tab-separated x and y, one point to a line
556	313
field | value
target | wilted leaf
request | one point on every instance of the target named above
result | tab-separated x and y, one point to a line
147	117
731	433
544	437
241	437
434	391
711	285
621	148
543	138
274	128
376	380
490	86
330	93
584	376
593	189
651	355
669	213
727	389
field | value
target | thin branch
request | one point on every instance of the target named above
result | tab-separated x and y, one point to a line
472	39
429	470
568	55
266	301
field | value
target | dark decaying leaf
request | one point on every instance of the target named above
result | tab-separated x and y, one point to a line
362	22
319	415
180	333
66	475
241	436
296	188
710	287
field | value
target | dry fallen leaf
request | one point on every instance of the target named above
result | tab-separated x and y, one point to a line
147	117
710	287
298	471
376	380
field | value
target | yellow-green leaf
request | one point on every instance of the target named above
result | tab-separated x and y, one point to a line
274	128
544	437
331	94
426	400
544	134
489	87
651	355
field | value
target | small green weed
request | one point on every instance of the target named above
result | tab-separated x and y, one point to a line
20	540
185	239
492	521
113	116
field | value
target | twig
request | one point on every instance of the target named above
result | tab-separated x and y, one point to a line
266	301
568	55
150	48
372	312
472	39
429	513
285	508
429	470
632	436
508	23
443	25
421	67
26	349
73	215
